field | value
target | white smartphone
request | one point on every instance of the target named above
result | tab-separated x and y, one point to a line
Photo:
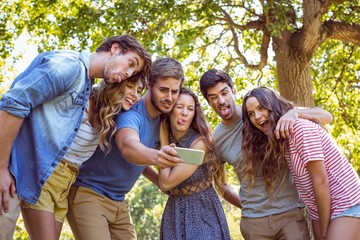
191	156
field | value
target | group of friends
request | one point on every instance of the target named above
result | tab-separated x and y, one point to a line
69	149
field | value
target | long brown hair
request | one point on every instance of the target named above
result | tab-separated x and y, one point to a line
261	152
199	124
105	104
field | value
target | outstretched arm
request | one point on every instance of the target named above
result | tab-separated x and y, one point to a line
285	124
10	127
128	142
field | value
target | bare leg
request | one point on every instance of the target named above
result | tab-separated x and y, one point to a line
41	225
344	228
316	229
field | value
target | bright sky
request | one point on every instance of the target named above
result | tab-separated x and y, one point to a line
29	51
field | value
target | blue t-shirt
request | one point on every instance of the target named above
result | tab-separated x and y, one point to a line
112	175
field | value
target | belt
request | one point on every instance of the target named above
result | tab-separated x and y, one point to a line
190	189
72	166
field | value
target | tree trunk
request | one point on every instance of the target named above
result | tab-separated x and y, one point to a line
293	74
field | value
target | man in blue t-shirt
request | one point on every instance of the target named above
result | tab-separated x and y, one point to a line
97	206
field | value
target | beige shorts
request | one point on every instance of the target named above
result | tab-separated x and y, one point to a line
288	225
54	193
8	220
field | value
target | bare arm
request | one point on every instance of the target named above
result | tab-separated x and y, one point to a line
150	173
10	127
128	142
230	195
171	177
321	190
285	124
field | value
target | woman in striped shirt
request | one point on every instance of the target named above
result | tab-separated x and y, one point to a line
326	181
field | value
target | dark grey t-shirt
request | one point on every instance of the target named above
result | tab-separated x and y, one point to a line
255	201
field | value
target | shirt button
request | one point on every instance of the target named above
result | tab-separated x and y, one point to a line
76	129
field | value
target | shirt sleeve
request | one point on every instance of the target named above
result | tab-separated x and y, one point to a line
307	141
130	119
49	75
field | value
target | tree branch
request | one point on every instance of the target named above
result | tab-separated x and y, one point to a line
313	10
264	45
349	33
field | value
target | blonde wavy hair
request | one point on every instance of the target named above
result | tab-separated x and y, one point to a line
105	104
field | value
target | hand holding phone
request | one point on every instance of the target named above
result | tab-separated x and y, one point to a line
190	156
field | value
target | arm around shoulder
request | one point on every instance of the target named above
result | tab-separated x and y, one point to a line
315	114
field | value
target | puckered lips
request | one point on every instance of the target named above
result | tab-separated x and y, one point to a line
167	104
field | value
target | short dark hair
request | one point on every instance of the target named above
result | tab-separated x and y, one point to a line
212	77
128	43
166	67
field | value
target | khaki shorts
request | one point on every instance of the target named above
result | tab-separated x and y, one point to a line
54	193
288	225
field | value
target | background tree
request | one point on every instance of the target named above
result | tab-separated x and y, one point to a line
308	49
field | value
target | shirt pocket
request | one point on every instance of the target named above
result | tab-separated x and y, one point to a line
69	104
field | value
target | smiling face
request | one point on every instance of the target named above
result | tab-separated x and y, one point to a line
122	66
221	99
164	93
132	94
182	115
258	115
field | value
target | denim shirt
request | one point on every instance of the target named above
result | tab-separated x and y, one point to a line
51	96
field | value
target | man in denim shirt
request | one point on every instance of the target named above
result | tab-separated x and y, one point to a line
41	113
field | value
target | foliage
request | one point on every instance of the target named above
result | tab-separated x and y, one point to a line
337	89
21	234
146	206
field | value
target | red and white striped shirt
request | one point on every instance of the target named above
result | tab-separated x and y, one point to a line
310	142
